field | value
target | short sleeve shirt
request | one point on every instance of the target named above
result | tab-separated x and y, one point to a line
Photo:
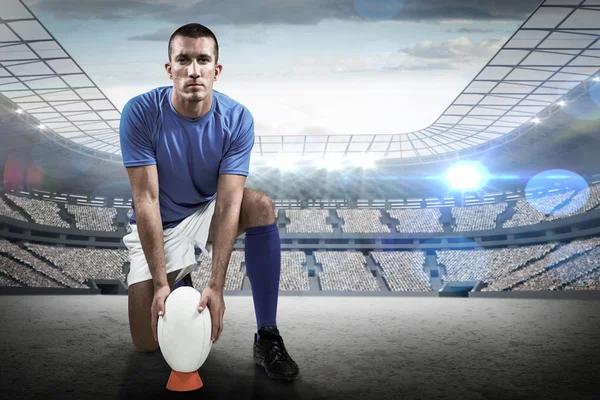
189	154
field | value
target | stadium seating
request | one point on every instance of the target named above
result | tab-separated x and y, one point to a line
234	278
25	276
345	271
477	218
43	212
9	212
561	253
362	221
567	272
308	221
403	270
82	263
93	218
26	258
487	265
417	220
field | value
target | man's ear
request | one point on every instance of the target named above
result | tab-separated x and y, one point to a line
168	69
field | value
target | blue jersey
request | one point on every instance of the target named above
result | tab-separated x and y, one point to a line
189	154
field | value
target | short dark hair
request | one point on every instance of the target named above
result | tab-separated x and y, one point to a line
195	31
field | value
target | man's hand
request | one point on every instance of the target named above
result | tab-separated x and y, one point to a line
158	307
216	305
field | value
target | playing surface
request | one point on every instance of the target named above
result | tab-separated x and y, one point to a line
347	347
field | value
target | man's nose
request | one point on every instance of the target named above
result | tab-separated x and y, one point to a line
194	69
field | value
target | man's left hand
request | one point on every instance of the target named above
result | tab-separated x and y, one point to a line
213	298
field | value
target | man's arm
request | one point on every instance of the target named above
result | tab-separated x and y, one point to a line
144	184
230	191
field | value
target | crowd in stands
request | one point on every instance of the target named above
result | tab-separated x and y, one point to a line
417	220
83	263
93	218
9	212
7	281
487	265
570	271
403	270
582	202
345	271
42	212
362	221
561	253
25	276
477	218
234	279
308	221
294	277
29	260
549	208
422	220
589	282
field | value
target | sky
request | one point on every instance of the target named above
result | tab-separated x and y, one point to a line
300	67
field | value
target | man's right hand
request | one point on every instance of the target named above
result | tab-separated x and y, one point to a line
158	307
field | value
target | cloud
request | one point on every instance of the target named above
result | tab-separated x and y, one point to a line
458	53
459	49
472	30
290	12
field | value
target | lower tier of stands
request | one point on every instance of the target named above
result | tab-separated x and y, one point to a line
551	266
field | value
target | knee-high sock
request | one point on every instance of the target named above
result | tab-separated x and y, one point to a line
263	265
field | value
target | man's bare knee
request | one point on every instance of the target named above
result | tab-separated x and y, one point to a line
146	348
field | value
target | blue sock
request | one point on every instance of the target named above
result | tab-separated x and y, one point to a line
263	265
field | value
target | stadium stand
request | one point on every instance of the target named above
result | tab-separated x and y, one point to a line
43	212
420	220
93	218
584	201
12	250
82	263
25	276
403	270
477	218
345	271
362	221
294	277
308	221
7	211
8	281
565	273
537	267
531	211
589	282
487	265
234	278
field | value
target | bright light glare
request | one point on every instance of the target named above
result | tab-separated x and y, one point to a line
41	126
467	176
287	163
366	162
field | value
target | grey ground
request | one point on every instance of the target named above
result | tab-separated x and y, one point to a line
77	347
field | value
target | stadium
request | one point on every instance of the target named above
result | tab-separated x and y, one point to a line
459	260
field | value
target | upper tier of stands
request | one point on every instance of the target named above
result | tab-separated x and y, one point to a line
504	214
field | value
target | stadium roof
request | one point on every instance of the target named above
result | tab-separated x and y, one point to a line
554	51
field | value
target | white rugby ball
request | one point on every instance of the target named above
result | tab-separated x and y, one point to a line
183	332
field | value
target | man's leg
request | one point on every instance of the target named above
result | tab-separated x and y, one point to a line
140	298
263	265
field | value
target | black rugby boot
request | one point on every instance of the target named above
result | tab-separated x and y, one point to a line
270	353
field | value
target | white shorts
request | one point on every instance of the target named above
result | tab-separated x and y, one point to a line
180	243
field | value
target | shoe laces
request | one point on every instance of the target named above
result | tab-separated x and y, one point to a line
277	351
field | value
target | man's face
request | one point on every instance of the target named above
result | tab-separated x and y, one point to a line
192	67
